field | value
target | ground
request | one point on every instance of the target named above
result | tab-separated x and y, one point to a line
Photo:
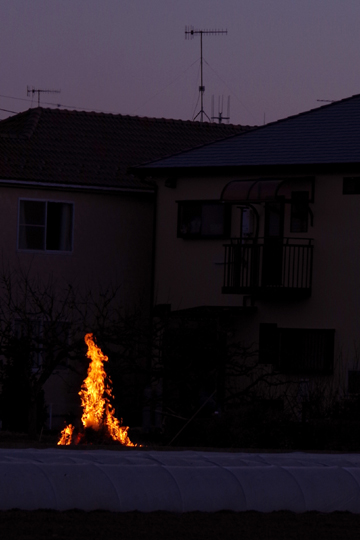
76	525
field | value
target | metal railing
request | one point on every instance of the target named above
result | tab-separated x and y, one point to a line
268	265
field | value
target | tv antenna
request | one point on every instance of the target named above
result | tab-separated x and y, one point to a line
220	116
33	90
189	34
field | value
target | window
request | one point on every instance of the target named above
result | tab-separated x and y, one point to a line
268	344
45	225
299	211
354	382
306	351
203	219
351	185
299	351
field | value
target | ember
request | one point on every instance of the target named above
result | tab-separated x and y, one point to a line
98	416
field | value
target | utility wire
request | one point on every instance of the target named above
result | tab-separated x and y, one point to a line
5	110
11	97
59	105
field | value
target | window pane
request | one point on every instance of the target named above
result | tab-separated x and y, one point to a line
351	185
32	213
306	351
203	219
31	237
45	225
354	382
59	227
213	219
268	343
299	211
190	219
32	225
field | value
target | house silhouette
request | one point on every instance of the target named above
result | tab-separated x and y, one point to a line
257	243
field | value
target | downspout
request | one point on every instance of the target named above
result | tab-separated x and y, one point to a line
147	395
153	259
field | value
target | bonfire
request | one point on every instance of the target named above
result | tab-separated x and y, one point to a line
98	418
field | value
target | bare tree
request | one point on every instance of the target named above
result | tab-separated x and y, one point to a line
42	326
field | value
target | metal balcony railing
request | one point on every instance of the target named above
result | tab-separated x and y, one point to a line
269	267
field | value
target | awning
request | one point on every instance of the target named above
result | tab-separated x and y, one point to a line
254	191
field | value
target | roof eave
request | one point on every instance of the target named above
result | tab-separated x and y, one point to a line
57	186
298	168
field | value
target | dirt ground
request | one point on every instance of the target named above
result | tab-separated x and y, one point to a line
20	525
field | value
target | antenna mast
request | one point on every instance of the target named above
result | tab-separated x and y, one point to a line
189	34
33	90
220	116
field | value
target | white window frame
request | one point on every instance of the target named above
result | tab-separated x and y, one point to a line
52	251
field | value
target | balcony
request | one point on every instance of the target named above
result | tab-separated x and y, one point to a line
270	268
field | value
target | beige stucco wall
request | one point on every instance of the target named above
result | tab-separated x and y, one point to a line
112	240
189	273
112	246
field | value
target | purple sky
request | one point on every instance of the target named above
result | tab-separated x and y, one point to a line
131	57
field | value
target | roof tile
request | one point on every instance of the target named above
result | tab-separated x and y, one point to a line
97	149
327	135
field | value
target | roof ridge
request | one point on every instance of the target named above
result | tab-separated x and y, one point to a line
22	125
303	113
212	125
32	122
61	146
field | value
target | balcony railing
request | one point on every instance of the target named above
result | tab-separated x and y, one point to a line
269	267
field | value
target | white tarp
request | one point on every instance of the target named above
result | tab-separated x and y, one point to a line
178	481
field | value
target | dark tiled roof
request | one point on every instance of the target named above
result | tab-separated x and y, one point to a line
82	148
327	135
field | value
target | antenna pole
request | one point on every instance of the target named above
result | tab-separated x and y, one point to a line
202	87
33	90
190	33
220	116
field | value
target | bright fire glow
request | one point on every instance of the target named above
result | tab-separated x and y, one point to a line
66	435
95	393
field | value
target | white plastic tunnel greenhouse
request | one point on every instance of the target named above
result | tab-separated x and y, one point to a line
178	481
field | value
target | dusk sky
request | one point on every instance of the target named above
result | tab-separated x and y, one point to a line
131	57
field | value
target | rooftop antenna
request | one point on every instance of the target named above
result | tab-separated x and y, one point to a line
32	90
189	34
220	116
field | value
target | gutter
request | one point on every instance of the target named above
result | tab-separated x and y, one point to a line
71	187
247	170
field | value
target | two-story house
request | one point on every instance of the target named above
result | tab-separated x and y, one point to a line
261	229
71	214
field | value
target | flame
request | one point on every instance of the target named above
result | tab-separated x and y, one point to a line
95	393
93	390
66	435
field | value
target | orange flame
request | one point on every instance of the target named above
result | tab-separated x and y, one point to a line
95	393
66	435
